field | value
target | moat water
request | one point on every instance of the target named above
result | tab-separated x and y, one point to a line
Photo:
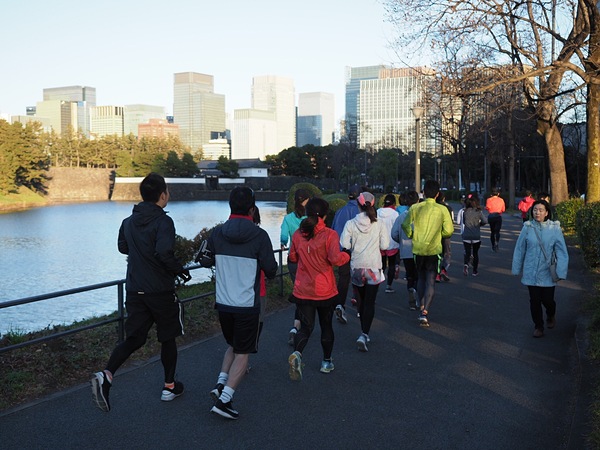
61	247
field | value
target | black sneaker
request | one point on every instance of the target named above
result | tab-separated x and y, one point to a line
225	410
216	392
171	394
100	389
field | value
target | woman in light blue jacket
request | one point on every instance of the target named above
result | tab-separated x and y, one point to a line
530	260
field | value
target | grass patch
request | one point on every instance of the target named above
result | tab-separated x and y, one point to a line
24	195
32	372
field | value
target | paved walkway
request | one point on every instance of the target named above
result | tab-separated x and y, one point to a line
476	379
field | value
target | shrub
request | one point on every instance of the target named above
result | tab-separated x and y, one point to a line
314	190
567	212
587	223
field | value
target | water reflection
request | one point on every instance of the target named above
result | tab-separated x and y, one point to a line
66	246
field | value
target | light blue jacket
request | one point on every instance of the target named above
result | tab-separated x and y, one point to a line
528	257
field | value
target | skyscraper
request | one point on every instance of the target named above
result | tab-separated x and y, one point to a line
106	121
354	75
84	98
277	94
197	109
133	115
254	134
316	119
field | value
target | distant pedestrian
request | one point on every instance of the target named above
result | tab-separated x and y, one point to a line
470	219
538	241
431	223
525	205
316	249
342	216
365	237
147	237
406	251
290	224
446	243
389	257
240	251
546	197
495	207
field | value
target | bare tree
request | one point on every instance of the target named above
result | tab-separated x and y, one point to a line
541	40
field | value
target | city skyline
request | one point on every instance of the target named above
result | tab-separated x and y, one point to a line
129	51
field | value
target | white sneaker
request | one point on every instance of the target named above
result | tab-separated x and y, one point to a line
341	314
361	343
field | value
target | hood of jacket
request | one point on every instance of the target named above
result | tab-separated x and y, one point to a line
146	212
387	212
239	229
363	223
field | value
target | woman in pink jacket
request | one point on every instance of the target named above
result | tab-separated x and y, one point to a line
316	249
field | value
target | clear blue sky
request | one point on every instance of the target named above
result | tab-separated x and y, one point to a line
129	49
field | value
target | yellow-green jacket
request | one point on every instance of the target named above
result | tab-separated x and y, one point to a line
426	224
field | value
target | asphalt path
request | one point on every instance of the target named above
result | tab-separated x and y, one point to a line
475	379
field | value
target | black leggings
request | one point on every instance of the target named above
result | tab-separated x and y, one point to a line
472	249
168	355
495	221
389	262
306	315
366	305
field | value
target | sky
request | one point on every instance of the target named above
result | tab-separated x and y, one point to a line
129	49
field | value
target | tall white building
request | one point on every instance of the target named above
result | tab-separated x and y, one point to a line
384	109
133	115
83	97
254	134
199	112
60	115
106	121
316	119
277	94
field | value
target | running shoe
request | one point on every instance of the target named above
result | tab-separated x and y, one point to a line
295	370
475	273
225	410
438	278
444	275
216	392
326	366
412	299
423	320
291	335
341	314
389	290
466	270
100	390
361	343
169	394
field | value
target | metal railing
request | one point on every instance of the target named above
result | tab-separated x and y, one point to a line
121	313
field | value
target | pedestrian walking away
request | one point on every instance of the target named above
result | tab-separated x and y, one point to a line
525	205
471	218
239	250
406	251
495	207
342	216
446	255
389	257
540	242
147	237
290	224
316	249
365	237
427	223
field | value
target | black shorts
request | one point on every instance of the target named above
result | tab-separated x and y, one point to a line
143	310
240	331
428	263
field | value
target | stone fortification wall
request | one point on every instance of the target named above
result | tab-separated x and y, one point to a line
75	184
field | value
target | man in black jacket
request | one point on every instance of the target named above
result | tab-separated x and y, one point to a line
147	237
240	251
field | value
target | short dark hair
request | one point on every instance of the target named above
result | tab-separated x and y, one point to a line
241	199
389	200
431	189
152	187
412	197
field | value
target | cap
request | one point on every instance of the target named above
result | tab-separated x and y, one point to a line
365	197
353	192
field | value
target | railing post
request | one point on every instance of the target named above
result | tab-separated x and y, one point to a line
121	310
281	272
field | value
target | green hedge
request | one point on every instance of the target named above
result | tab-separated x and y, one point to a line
587	223
567	213
314	190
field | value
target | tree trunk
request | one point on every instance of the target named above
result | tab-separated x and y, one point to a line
511	161
593	113
556	154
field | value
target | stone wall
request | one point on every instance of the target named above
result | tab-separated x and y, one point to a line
75	184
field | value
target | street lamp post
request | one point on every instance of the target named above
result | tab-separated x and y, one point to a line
418	112
439	165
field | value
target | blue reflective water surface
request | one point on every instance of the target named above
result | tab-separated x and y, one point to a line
61	247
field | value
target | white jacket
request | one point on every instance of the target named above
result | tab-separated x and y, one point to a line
365	240
387	217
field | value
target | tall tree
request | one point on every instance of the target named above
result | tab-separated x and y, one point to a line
523	34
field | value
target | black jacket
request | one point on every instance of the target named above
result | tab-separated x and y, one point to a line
147	237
